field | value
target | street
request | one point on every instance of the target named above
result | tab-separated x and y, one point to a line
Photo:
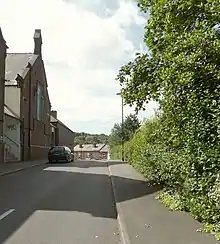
76	204
58	203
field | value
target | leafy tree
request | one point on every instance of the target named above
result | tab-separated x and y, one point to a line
87	138
131	124
116	135
80	140
182	73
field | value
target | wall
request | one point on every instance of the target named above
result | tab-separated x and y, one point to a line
12	136
12	98
41	134
65	136
2	93
91	155
40	130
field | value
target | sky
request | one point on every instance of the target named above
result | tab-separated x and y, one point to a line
85	42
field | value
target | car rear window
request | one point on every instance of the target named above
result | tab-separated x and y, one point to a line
57	149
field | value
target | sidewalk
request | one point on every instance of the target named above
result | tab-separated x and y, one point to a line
8	168
143	219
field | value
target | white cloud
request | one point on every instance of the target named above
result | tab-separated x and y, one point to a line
82	52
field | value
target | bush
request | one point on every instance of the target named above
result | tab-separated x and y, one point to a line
178	169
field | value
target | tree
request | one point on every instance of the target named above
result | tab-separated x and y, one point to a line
87	138
116	135
182	73
131	124
80	139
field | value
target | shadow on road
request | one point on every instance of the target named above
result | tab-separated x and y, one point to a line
90	163
57	187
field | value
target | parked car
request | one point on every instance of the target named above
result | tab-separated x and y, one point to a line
60	153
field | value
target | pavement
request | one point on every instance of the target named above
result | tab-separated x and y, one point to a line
8	168
89	202
144	219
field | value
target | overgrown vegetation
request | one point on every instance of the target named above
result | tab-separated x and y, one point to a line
181	146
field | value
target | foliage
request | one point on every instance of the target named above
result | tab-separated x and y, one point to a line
115	137
86	138
181	147
157	159
170	200
130	125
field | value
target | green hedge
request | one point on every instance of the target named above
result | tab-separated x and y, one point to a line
179	168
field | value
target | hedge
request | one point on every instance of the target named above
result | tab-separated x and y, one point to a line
179	170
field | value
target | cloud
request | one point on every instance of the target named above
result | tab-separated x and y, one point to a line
84	44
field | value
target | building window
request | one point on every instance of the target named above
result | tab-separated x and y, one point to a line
40	103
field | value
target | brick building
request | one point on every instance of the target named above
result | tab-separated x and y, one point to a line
26	94
3	48
60	134
91	151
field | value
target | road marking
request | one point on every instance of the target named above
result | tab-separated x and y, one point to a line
6	213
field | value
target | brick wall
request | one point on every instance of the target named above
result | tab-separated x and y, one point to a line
2	92
40	130
65	136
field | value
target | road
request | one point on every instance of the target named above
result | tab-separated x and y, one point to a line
58	203
76	204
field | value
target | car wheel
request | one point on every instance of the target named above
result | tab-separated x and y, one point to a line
50	161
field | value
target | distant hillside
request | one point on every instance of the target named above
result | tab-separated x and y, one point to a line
87	138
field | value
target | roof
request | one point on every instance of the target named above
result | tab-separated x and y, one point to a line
52	125
89	148
17	64
2	40
54	120
10	112
105	149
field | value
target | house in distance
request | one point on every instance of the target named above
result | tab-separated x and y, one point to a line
91	151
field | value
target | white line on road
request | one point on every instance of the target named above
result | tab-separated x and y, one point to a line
5	214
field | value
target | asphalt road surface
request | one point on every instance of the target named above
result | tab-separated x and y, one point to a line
76	204
58	204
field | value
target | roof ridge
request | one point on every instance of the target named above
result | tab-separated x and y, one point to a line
21	53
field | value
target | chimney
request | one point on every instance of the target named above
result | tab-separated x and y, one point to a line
80	145
54	114
37	42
